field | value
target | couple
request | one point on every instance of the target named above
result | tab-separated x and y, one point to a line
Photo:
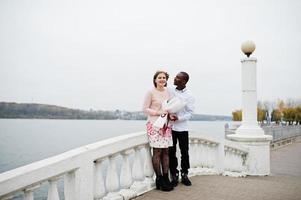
164	140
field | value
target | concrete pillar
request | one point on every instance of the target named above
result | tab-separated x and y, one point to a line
249	133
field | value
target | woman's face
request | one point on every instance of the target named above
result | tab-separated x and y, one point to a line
161	80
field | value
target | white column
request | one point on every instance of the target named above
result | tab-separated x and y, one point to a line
249	124
249	133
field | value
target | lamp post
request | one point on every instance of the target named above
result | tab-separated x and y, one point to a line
249	133
249	124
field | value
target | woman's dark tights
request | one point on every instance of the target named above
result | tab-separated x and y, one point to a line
160	159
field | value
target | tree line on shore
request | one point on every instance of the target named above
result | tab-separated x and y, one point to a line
43	111
288	112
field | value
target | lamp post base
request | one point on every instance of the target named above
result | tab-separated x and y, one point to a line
258	159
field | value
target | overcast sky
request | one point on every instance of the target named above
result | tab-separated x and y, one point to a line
102	54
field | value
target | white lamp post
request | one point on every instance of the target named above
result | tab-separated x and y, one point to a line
249	133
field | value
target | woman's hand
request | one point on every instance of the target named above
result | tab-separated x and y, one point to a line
162	112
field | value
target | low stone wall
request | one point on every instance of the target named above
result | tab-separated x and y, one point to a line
282	135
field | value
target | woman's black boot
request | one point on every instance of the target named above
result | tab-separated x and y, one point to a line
167	181
158	182
161	184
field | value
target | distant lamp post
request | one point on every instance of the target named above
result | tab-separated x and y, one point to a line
249	133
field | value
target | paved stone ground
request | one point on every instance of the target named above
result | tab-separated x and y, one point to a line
284	183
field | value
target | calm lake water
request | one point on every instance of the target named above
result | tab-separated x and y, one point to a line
23	141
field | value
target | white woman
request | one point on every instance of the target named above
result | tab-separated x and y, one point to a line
159	138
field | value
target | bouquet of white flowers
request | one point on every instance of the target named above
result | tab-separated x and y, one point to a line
173	105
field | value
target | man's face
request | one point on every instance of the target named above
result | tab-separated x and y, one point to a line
179	80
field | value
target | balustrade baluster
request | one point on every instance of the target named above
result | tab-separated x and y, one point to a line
137	172
52	190
125	173
112	180
195	152
202	153
210	156
220	157
193	157
240	161
226	159
214	155
233	160
28	195
206	154
99	184
69	186
198	157
148	168
198	152
126	179
28	192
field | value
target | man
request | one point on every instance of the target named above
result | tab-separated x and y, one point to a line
180	131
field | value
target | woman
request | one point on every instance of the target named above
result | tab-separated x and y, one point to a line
159	139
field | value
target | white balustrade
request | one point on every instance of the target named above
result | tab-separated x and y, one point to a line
86	176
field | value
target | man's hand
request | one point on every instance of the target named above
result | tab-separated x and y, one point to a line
173	117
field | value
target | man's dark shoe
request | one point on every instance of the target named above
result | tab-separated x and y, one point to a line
185	180
174	180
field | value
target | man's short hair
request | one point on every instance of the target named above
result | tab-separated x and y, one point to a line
186	75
